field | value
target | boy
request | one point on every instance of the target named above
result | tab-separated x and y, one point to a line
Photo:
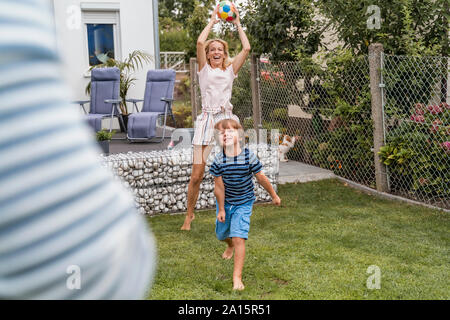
233	170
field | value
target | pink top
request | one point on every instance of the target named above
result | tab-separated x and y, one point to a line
216	86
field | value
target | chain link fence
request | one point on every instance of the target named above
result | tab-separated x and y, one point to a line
328	107
327	110
417	127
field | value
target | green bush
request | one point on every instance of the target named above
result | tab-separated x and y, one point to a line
344	146
241	97
172	35
248	123
417	153
281	115
410	79
183	114
346	151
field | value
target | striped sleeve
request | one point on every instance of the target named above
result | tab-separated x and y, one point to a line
216	169
255	164
62	215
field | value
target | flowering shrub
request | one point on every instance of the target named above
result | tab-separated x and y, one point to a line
273	76
446	146
418	152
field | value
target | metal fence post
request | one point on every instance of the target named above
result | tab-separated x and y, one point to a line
254	80
193	76
375	53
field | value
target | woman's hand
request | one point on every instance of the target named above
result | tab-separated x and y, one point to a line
237	20
214	18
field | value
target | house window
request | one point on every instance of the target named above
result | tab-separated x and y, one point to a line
102	32
100	43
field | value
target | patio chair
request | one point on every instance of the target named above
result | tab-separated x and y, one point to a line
157	102
105	87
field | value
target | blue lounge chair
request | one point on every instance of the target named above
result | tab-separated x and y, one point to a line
105	88
157	102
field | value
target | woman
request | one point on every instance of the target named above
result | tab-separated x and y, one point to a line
216	75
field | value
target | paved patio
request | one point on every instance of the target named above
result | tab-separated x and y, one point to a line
293	171
123	145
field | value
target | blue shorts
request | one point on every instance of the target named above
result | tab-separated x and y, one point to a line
237	221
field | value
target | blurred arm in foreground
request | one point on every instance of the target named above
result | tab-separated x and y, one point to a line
60	210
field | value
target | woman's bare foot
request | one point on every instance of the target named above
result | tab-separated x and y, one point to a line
228	253
237	284
187	222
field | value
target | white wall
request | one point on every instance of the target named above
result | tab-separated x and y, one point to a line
136	33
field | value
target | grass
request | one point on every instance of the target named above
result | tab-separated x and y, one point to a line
317	245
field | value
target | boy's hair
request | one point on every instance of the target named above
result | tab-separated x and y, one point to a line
228	124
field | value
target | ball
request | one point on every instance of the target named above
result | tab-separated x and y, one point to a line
227	11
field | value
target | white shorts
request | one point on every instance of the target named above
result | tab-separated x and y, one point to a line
204	126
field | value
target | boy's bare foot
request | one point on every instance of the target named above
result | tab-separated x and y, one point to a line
228	254
187	222
237	284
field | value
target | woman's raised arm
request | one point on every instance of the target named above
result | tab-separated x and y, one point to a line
201	54
239	60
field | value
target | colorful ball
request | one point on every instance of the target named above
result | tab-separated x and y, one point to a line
227	11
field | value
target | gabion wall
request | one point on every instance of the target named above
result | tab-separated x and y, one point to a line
159	179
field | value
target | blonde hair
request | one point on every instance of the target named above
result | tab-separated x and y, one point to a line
229	124
227	61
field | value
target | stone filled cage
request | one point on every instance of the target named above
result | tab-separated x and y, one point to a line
159	179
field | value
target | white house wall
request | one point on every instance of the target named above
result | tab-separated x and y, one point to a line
136	33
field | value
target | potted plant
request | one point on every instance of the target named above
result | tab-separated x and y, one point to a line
127	67
103	139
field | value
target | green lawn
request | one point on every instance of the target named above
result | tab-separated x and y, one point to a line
317	245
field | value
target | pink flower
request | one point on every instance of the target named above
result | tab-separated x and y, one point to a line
418	118
419	108
446	146
444	105
435	126
434	109
420	111
266	75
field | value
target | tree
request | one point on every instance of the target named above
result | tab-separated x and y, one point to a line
172	35
195	24
280	27
181	10
181	22
407	26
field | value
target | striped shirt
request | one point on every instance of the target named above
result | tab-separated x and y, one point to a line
67	229
237	174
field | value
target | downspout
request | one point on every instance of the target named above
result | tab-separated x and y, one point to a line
156	33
